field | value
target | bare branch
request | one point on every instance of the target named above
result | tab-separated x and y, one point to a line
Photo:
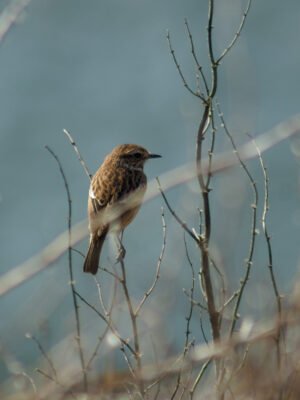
199	66
32	384
72	281
181	223
199	377
213	64
81	160
265	229
109	323
44	354
133	318
160	258
269	247
188	318
108	316
253	232
43	373
186	85
237	34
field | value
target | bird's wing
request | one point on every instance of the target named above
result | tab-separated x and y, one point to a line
113	187
99	193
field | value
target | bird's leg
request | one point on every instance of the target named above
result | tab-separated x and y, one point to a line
121	248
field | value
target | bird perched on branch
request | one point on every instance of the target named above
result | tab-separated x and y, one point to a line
115	196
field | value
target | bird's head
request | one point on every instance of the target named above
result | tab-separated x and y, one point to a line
132	155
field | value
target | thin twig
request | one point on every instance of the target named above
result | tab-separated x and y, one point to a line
188	318
190	312
181	223
202	328
44	353
81	160
112	328
40	371
101	300
265	229
199	66
269	246
128	362
195	303
229	301
160	258
72	281
185	84
198	378
108	316
187	384
163	372
158	381
100	268
253	232
32	384
237	34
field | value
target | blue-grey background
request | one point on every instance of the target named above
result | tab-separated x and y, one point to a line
102	70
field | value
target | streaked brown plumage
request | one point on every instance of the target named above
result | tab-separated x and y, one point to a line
121	175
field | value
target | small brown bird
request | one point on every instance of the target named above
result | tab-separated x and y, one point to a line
117	187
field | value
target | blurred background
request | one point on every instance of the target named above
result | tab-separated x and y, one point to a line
103	71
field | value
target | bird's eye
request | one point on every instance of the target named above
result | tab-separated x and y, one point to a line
137	156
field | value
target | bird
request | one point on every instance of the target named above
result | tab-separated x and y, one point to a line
117	187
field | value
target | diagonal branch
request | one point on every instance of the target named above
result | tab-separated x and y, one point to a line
237	34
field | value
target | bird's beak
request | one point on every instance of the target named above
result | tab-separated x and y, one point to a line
154	155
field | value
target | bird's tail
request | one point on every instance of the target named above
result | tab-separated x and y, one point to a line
91	262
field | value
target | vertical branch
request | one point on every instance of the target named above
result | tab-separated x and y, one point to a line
204	186
188	318
213	63
72	281
253	232
160	258
133	318
204	176
269	248
212	145
204	240
107	312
